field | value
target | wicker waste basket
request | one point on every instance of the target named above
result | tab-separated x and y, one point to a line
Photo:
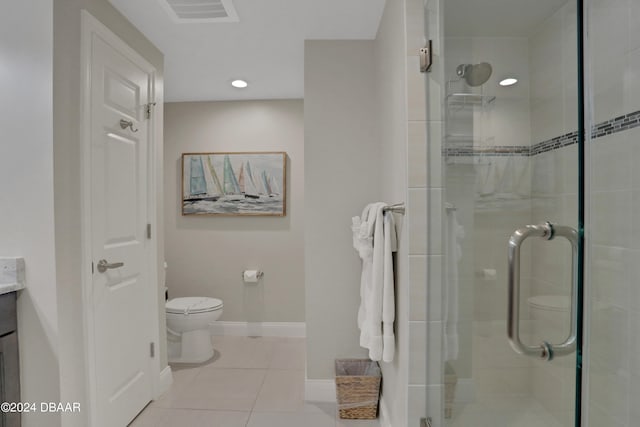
358	388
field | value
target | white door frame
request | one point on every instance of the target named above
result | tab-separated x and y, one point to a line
91	27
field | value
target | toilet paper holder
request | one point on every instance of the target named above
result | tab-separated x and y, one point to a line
259	274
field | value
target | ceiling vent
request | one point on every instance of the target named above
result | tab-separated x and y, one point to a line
196	11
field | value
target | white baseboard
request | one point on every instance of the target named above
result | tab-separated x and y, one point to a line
384	414
320	390
465	390
164	381
260	329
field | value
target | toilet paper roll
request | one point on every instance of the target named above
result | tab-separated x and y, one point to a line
489	274
251	276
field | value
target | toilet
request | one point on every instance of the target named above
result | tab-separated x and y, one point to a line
551	316
188	334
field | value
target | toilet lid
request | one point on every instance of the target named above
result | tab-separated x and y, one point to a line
188	305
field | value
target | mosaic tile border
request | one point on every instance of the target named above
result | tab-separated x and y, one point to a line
554	143
609	127
619	124
495	151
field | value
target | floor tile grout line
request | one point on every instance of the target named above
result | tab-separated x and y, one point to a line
287	354
264	379
240	411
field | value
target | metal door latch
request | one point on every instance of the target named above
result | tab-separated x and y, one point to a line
426	58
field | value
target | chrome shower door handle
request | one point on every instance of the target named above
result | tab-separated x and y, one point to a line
545	350
103	265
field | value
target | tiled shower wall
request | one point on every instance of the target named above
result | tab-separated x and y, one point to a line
490	191
425	204
613	204
553	64
613	229
546	128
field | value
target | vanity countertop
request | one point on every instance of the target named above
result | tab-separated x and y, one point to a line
5	288
11	274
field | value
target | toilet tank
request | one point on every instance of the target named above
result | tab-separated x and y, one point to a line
164	282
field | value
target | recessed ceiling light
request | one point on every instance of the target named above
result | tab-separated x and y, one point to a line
509	81
240	84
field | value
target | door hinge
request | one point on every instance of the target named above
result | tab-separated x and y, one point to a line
425	422
148	231
147	109
426	58
152	350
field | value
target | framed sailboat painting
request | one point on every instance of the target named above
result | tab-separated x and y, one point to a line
234	184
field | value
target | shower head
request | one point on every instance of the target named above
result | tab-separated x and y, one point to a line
474	74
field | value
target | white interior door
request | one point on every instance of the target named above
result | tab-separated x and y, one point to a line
119	195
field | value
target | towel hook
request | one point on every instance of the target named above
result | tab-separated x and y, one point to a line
127	124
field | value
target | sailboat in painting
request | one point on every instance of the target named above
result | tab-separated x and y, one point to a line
265	183
273	184
198	188
215	182
241	178
231	186
250	189
270	185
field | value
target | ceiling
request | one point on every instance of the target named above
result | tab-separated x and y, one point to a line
497	18
266	46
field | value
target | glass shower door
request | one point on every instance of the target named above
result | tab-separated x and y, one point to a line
507	75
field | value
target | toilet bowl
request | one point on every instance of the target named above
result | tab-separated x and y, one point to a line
188	334
551	315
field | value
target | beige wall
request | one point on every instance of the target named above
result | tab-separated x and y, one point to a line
356	119
26	192
66	155
207	255
391	81
342	175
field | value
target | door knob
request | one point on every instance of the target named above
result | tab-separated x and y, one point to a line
103	265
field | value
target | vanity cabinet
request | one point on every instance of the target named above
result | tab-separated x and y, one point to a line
9	359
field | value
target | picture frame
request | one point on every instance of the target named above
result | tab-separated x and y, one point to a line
234	183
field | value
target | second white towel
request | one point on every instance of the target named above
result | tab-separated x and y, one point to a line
374	237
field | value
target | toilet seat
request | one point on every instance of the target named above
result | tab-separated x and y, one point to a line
193	305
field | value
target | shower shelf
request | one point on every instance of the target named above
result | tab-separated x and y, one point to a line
470	99
460	138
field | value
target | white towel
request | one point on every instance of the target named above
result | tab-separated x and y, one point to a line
363	228
374	237
388	289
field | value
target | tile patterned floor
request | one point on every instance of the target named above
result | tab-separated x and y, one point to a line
503	411
251	382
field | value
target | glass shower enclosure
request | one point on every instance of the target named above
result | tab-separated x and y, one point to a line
504	98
